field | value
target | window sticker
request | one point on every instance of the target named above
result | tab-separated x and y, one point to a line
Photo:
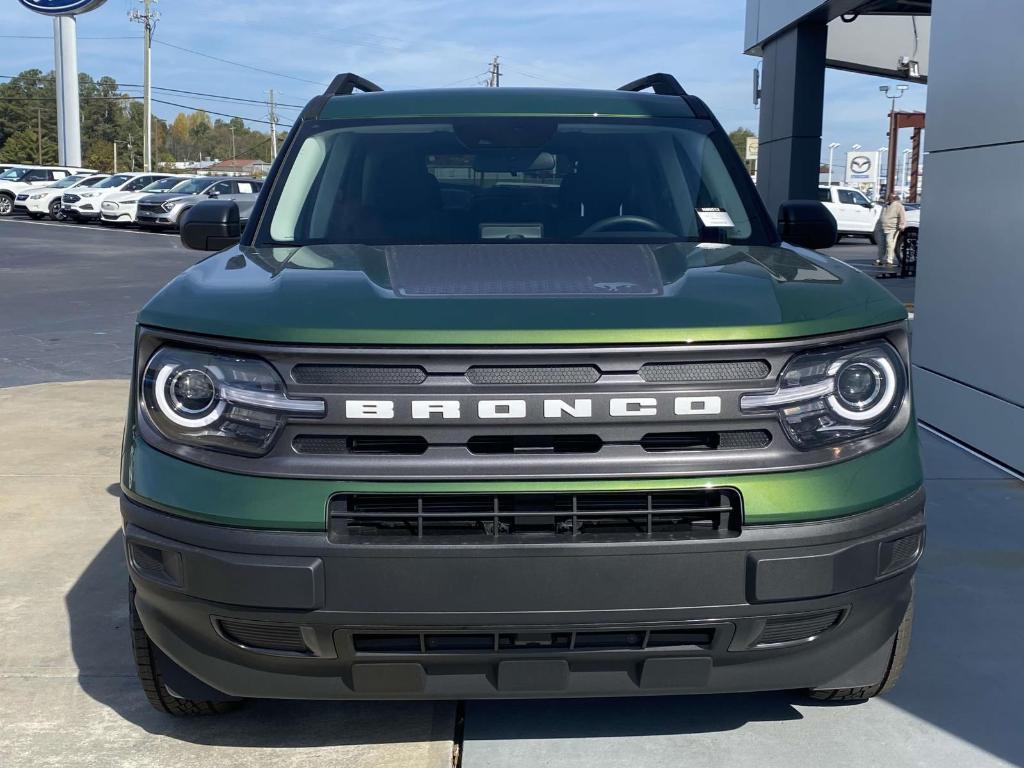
715	217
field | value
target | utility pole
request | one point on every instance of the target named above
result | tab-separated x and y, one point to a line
233	154
39	134
494	74
115	157
148	18
273	127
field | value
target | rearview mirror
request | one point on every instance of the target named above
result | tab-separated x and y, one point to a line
211	225
807	223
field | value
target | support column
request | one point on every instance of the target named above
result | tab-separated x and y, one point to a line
65	53
792	100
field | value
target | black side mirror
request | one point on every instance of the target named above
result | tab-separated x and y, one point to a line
807	223
211	225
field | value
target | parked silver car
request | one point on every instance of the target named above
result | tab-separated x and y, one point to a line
162	211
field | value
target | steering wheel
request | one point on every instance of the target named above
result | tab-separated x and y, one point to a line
615	222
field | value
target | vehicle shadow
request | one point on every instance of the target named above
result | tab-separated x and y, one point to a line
98	617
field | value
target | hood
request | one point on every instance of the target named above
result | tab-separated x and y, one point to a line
519	294
125	197
162	197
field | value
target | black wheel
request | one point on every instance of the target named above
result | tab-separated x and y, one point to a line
906	252
6	204
897	659
150	665
57	211
34	215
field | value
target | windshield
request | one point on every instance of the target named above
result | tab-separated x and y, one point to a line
67	181
162	185
536	179
113	181
13	174
92	181
193	186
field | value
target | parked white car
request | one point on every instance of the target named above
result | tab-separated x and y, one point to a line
45	201
85	206
19	178
854	213
120	208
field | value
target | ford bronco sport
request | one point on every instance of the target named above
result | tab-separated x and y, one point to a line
517	393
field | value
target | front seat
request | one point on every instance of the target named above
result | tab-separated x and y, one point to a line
401	199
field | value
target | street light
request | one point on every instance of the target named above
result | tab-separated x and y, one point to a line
878	175
831	152
906	171
892	94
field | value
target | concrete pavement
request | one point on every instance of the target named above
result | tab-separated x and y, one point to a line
69	692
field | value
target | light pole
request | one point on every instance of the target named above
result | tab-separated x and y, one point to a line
906	171
831	153
878	183
892	95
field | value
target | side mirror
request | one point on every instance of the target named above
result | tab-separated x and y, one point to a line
211	225
807	223
213	193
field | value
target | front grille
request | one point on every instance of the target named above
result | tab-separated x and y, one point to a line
264	635
154	208
516	444
738	370
342	375
466	517
790	629
22	196
548	374
683	638
70	198
329	445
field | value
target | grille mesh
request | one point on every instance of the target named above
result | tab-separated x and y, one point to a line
577	374
264	635
739	370
358	374
787	629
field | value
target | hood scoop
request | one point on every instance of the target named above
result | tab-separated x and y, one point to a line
502	269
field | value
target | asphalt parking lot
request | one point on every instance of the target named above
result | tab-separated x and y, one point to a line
68	296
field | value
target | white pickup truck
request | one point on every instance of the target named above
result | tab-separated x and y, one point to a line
854	213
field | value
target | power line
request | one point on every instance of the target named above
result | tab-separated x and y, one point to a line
237	63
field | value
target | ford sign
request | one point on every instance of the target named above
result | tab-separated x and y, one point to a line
61	7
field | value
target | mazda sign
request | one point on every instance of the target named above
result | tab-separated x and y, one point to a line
61	7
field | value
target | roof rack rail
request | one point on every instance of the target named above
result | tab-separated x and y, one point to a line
662	84
347	82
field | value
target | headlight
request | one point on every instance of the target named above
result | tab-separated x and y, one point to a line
89	194
169	205
37	197
222	402
837	395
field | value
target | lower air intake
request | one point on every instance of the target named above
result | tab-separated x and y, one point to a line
791	629
469	518
264	635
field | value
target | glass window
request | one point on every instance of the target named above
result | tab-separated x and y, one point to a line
825	194
852	197
510	178
193	186
38	175
220	188
68	181
113	181
92	181
13	174
163	185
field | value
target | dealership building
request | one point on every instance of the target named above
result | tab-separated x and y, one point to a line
968	331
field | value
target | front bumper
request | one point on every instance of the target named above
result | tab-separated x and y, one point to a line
357	609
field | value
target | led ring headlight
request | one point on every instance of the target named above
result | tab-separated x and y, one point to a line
883	376
172	408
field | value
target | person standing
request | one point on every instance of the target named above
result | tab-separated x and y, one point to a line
892	222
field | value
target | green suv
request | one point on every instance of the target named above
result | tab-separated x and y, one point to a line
517	393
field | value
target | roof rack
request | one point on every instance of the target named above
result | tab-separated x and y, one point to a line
347	82
662	84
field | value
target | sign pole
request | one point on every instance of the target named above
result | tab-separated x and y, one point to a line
65	53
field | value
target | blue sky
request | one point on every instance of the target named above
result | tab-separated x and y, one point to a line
425	43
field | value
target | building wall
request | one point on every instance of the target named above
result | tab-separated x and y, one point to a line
969	325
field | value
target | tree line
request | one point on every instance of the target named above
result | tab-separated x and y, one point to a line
28	127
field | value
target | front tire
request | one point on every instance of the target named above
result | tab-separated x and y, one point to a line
6	205
57	211
900	650
148	665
